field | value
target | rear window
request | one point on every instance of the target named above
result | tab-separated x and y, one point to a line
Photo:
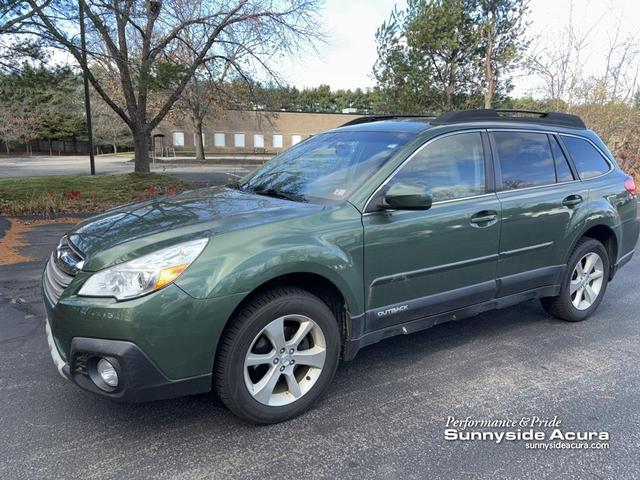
588	161
525	159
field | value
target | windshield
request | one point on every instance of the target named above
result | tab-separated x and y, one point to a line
326	167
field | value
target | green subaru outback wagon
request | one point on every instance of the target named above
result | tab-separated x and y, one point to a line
385	226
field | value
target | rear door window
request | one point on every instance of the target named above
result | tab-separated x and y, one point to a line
588	161
563	171
525	159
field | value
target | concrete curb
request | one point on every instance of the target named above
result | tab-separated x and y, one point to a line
5	224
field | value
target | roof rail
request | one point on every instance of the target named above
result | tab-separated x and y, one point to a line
528	116
380	118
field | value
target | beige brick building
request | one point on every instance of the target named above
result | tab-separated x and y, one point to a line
245	132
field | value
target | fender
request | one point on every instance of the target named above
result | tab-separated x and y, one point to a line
239	264
354	302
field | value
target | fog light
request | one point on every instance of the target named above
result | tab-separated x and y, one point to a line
107	373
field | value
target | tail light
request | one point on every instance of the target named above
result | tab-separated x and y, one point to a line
630	186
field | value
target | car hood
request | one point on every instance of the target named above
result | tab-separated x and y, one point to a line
132	230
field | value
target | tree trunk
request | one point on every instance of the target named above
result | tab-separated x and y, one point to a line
488	69
115	148
199	145
450	89
141	149
50	148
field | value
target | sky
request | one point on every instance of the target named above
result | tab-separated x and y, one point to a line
347	58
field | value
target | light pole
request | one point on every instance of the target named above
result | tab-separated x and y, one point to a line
87	101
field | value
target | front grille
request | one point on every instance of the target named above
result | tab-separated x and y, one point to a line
63	265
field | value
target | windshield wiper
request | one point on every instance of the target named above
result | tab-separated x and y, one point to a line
272	192
235	186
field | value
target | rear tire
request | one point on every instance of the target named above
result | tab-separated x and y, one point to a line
277	356
584	283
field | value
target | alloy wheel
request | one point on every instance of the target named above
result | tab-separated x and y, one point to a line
285	360
586	281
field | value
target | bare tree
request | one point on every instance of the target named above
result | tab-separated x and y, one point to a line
21	116
197	102
618	80
205	91
108	128
6	126
139	41
570	78
559	62
25	123
15	47
12	13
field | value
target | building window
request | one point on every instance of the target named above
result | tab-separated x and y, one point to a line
178	139
238	140
218	139
295	139
195	139
258	140
277	140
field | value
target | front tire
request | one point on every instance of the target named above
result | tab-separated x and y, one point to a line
584	284
278	356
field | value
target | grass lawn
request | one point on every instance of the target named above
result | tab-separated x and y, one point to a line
78	193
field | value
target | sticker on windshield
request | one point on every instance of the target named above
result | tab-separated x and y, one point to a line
339	192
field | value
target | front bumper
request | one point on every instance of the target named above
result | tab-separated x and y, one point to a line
58	361
139	378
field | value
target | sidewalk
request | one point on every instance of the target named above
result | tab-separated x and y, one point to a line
230	159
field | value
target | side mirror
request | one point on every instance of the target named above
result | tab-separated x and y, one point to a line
408	196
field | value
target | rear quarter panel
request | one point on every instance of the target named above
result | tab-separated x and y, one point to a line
608	196
608	204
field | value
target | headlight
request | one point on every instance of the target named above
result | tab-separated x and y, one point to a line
145	274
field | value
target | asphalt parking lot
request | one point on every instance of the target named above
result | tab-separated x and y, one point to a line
384	416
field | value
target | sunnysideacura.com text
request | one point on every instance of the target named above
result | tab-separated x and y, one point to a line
534	432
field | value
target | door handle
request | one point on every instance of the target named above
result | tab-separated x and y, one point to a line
572	200
484	218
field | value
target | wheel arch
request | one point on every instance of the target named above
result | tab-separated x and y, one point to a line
339	302
606	235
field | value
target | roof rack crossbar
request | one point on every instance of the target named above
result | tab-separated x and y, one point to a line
491	115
